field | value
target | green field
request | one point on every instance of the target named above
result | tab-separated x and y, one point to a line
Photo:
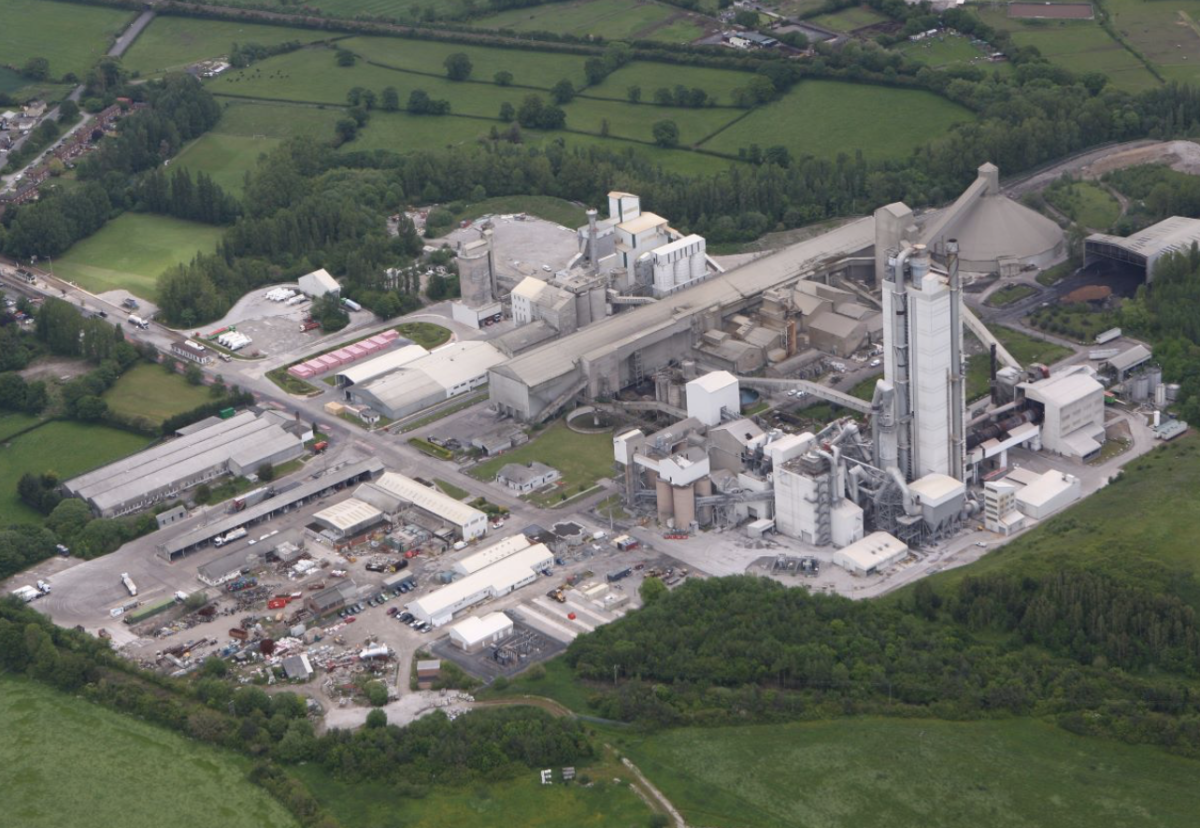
149	391
896	773
948	50
226	158
847	20
425	334
1166	33
540	69
1087	203
400	9
177	42
581	459
882	122
610	19
637	122
11	422
65	763
64	447
71	37
1081	46
651	76
132	250
550	208
522	801
403	133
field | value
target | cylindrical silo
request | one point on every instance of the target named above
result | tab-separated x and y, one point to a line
704	488
666	504
682	272
1141	388
664	274
685	505
1154	373
696	262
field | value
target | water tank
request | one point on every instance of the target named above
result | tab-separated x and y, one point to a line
1154	373
1172	391
1141	388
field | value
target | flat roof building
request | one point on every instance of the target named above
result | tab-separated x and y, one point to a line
1049	493
501	578
874	553
492	554
236	446
228	566
1072	404
526	477
381	366
192	352
473	634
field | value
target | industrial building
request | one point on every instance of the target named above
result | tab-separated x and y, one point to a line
477	281
228	566
344	521
446	372
237	446
333	598
499	579
492	554
319	283
872	554
1071	407
1144	248
381	366
477	632
392	492
526	477
284	501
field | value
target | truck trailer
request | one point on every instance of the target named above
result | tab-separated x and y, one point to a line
129	584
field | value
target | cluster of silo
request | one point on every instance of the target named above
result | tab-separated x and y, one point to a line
1147	386
679	263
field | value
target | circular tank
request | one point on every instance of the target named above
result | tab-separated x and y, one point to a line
749	397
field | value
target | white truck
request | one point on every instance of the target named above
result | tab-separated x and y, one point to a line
129	584
138	322
43	587
239	532
26	593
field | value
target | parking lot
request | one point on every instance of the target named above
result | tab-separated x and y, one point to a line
522	248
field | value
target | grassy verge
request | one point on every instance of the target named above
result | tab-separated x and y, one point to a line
1055	274
553	680
456	492
426	447
581	459
425	334
292	385
146	771
1009	295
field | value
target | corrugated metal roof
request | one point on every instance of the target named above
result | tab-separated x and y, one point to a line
555	359
429	499
349	514
1174	233
371	369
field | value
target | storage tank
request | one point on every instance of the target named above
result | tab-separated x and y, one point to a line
1172	391
1160	397
704	488
1154	373
696	263
664	274
666	503
685	505
1141	388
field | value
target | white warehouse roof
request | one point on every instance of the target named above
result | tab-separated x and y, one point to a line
349	515
1063	389
492	554
876	551
429	499
935	489
447	367
471	631
318	283
498	579
373	368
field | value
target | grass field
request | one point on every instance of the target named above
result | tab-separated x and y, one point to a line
872	773
1008	295
227	158
522	801
637	122
65	447
11	422
70	36
540	69
177	42
610	19
1087	203
149	391
425	334
404	133
550	208
118	770
581	459
949	50
847	20
1166	33
651	76
680	161
882	122
132	250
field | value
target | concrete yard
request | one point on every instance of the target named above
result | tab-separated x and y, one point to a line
522	248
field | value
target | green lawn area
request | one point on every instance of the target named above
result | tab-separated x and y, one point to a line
254	119
1008	295
11	422
425	334
149	391
1077	322
520	801
456	492
947	50
227	158
581	459
610	19
1054	274
70	36
683	30
1087	203
847	20
377	8
403	133
879	121
557	682
64	447
120	771
651	76
557	210
626	120
896	773
177	42
529	68
1160	31
132	250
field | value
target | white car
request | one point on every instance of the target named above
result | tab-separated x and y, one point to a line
791	392
875	363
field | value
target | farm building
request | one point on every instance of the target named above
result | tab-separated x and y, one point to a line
236	446
392	492
473	634
447	372
493	581
526	477
319	283
874	553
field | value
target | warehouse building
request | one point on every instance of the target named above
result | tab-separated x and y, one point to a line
445	373
492	554
1144	248
283	501
1041	495
236	446
380	366
228	566
392	492
345	521
873	554
319	283
494	581
473	634
1072	406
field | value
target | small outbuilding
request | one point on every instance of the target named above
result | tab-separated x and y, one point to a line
319	283
473	634
526	477
298	667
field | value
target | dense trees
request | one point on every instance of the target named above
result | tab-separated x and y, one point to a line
179	196
666	133
458	66
419	103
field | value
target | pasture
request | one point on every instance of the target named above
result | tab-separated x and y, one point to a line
610	19
1168	34
637	122
897	773
825	118
149	391
119	770
171	43
847	20
227	158
949	50
519	801
1087	203
401	132
132	250
65	447
70	36
651	76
